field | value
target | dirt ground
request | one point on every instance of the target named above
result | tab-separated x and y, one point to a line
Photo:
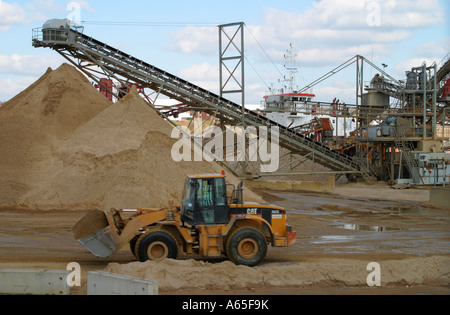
338	235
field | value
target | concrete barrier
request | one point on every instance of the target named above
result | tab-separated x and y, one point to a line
34	282
105	283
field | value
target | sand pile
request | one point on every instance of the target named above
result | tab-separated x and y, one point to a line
191	274
35	123
120	158
93	222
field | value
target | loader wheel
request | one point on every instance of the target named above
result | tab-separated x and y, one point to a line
133	245
156	246
246	246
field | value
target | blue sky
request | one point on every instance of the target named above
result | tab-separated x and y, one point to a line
324	33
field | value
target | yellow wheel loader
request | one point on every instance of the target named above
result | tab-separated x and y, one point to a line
209	223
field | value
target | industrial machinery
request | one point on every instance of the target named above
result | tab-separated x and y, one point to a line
209	223
379	137
94	57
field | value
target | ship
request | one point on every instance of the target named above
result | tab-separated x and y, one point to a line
325	121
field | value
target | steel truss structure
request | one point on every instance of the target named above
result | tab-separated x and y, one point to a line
97	59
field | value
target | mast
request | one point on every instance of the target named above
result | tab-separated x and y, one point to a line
290	65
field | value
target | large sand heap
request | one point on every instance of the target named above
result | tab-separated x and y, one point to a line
34	124
120	158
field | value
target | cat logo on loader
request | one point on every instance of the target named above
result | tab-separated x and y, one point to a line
208	223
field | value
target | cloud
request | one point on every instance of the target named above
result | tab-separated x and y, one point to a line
10	15
17	72
411	14
326	34
40	6
436	49
27	64
407	64
193	39
331	29
203	75
84	5
13	87
36	10
431	52
206	76
326	31
39	10
203	71
344	92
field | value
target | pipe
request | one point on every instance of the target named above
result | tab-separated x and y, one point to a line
443	125
424	86
434	103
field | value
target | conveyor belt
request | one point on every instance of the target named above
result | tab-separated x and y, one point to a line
84	51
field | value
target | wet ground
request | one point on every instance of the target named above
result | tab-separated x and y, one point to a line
338	225
328	227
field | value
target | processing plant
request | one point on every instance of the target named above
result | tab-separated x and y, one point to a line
394	132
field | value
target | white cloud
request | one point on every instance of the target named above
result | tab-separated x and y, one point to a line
36	10
429	53
329	28
17	72
203	71
407	64
203	75
411	14
193	39
85	6
325	35
10	14
333	28
344	92
39	6
28	64
206	76
39	10
13	87
436	49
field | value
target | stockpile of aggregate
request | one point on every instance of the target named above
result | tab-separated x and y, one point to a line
36	122
72	149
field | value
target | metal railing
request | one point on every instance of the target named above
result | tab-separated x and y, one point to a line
406	148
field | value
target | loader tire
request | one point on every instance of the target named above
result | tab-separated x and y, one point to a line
156	246
246	246
133	243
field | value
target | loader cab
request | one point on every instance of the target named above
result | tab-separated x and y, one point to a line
204	200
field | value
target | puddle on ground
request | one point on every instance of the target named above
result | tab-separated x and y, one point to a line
326	239
404	210
364	227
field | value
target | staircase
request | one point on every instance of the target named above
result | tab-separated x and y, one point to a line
407	147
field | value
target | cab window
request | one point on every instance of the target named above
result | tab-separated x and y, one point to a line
221	193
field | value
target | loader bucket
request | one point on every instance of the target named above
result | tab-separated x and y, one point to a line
96	233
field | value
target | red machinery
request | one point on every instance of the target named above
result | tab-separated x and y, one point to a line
446	89
105	87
